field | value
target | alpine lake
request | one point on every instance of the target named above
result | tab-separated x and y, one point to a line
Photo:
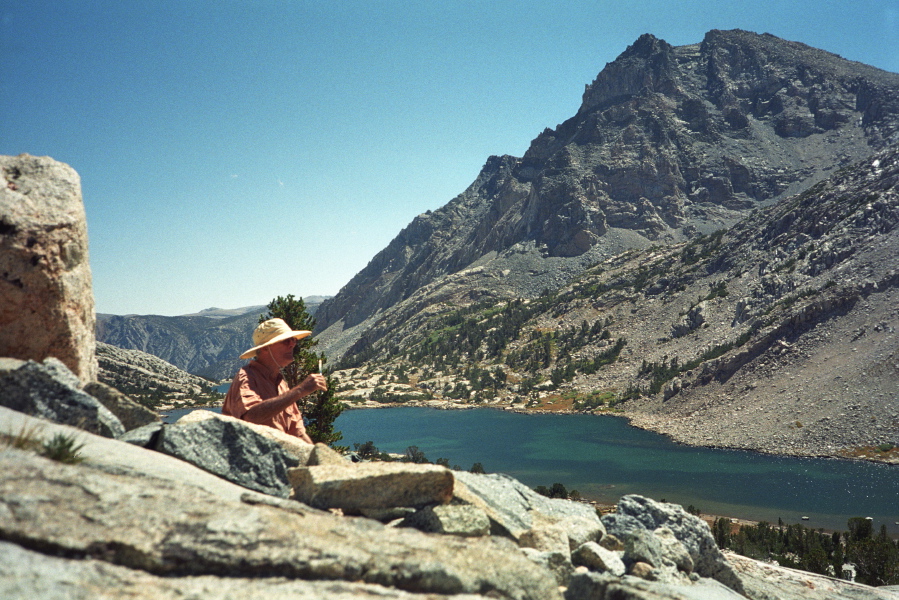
604	458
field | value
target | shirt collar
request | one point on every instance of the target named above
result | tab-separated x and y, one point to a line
264	371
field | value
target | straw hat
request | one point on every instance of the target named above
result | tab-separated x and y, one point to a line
271	332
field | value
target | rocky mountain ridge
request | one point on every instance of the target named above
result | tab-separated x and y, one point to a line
714	224
777	335
669	142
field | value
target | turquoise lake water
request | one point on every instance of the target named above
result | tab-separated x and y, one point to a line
604	458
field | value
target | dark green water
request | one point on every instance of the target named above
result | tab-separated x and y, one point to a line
604	458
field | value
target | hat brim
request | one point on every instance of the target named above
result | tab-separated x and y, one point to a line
278	338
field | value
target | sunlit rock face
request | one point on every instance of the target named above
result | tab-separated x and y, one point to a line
46	296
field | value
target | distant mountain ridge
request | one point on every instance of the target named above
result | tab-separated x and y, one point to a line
227	312
206	344
669	142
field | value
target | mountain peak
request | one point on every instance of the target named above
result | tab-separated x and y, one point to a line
646	65
669	143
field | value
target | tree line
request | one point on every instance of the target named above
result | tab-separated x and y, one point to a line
874	555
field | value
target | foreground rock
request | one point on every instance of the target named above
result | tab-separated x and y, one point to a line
298	451
763	580
689	530
27	574
131	414
229	449
46	298
130	520
219	507
52	392
353	488
516	511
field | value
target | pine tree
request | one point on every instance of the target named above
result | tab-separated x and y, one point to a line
320	409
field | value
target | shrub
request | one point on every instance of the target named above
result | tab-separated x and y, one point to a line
63	448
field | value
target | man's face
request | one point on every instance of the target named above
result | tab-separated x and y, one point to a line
282	352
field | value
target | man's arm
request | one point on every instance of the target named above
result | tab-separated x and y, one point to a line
267	409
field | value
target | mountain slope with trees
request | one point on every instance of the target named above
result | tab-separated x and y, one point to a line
776	335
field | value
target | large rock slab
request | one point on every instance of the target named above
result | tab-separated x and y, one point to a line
762	581
46	294
597	586
119	458
356	487
462	520
596	558
322	454
50	391
292	445
174	529
231	450
27	575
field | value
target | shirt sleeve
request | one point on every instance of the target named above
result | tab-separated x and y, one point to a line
241	397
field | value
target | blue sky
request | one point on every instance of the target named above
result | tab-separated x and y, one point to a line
234	151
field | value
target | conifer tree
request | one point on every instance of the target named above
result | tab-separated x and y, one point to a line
320	409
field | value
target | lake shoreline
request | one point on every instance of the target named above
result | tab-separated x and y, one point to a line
604	462
602	499
634	419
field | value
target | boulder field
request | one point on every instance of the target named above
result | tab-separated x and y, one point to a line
213	507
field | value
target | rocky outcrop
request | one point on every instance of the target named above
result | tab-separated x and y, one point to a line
228	449
678	539
51	391
46	295
130	413
135	372
764	580
297	451
514	509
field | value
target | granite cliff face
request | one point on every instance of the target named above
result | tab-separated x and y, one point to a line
140	374
669	142
205	346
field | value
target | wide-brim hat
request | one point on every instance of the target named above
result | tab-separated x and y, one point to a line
271	332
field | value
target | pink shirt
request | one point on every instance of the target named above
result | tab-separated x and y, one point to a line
253	384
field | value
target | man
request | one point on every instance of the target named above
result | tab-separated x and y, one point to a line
259	393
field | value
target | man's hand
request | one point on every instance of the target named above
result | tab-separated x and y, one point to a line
313	383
